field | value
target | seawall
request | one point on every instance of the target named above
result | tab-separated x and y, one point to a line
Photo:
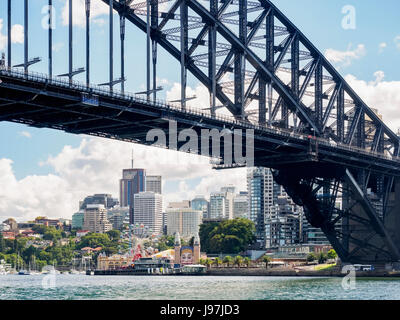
243	272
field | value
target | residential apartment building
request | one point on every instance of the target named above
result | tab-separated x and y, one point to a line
95	219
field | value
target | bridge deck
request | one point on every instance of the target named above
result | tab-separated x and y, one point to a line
35	100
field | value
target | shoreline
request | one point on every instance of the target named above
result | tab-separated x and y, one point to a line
257	272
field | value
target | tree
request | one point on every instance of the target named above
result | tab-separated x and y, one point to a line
218	261
208	262
2	244
230	236
114	235
52	234
322	257
266	259
39	228
94	240
191	242
332	254
311	257
228	260
238	261
247	261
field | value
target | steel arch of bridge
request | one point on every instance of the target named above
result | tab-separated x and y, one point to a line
284	51
263	70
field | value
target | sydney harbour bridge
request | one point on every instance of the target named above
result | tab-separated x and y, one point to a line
331	152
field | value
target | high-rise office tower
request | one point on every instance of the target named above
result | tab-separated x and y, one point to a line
263	193
133	181
229	200
105	199
241	205
200	203
148	211
154	184
218	205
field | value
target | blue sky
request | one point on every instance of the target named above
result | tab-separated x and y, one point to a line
320	20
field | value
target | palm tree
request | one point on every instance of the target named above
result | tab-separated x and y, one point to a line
228	260
217	261
247	261
266	260
208	262
238	260
202	261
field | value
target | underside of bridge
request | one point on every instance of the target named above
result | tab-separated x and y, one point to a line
331	152
357	216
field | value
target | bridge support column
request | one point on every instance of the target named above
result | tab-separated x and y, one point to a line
356	231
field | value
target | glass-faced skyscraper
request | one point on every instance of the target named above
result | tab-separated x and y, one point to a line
133	181
256	189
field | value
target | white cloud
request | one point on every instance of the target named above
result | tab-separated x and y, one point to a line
98	8
201	93
382	46
95	166
381	95
344	58
25	134
17	33
58	46
3	38
397	42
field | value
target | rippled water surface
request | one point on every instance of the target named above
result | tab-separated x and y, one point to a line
80	287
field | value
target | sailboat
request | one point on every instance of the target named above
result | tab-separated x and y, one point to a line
22	271
33	271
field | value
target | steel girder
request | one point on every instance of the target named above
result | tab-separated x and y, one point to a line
264	68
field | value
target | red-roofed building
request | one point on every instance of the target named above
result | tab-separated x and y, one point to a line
82	233
9	235
28	233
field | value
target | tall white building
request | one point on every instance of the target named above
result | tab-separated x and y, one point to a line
263	192
154	184
240	205
148	211
218	205
95	219
186	221
229	201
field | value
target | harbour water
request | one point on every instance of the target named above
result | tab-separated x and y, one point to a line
82	287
